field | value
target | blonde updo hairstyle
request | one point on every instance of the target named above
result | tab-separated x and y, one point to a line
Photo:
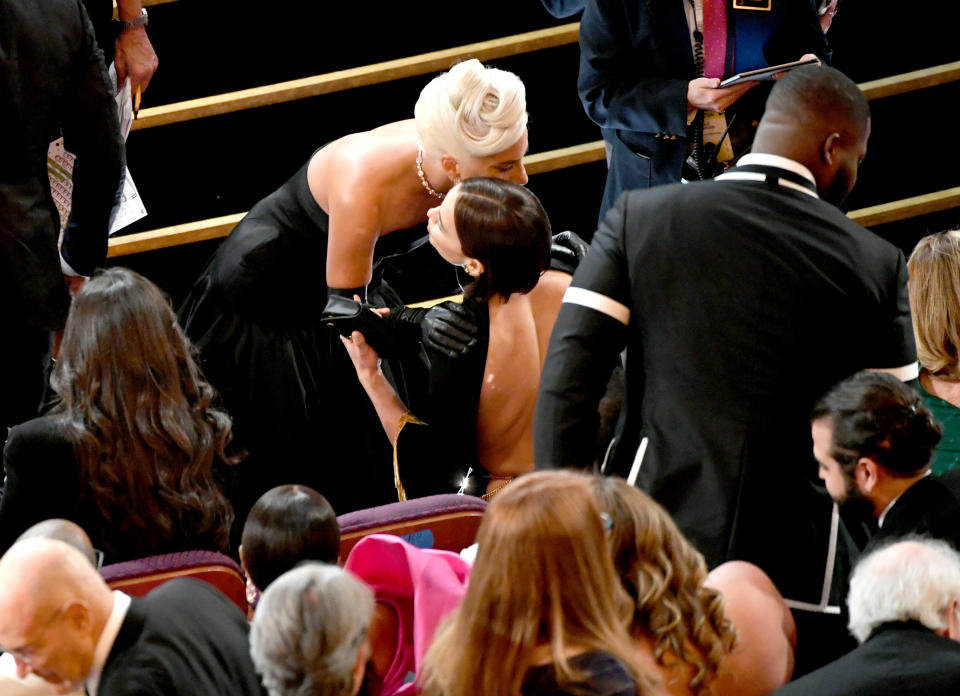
471	111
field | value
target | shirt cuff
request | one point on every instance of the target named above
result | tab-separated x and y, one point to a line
67	270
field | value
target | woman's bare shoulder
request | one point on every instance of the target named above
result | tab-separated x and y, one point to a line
550	288
361	166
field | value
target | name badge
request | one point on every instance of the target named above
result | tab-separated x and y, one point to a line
762	5
714	128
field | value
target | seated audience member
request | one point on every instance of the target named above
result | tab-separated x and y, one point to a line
726	633
61	622
934	286
287	525
544	612
873	438
68	532
414	590
903	610
310	632
131	449
479	412
71	534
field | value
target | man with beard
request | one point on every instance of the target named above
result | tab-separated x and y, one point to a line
874	437
740	301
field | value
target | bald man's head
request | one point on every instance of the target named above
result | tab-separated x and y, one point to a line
818	117
66	531
53	606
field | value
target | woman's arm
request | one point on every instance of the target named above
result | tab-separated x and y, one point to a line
766	633
352	203
352	237
385	400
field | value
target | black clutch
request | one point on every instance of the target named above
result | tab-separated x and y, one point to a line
345	316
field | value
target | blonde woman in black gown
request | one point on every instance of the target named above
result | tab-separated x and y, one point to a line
255	313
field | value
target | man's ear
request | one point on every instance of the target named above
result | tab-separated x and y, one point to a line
363	656
866	474
953	621
451	167
77	616
830	146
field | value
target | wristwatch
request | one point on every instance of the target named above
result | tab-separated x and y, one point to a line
140	21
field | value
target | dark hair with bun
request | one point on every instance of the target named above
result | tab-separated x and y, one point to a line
875	415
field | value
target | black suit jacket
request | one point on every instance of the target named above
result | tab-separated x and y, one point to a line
899	659
928	508
740	303
184	638
52	74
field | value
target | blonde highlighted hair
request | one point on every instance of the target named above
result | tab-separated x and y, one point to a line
934	285
471	110
664	575
544	579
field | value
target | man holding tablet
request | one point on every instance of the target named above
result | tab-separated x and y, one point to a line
650	76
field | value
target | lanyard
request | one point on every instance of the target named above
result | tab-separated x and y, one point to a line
697	6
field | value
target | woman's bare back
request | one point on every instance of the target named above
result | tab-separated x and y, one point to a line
519	332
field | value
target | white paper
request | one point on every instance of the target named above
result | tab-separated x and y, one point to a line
60	170
131	207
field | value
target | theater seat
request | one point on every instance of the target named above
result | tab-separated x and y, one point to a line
138	577
447	521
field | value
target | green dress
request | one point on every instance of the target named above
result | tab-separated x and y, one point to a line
947	454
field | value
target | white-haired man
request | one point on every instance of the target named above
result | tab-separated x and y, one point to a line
903	610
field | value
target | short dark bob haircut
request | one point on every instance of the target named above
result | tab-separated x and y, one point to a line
502	225
288	524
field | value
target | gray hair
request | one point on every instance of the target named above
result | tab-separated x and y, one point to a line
910	580
308	630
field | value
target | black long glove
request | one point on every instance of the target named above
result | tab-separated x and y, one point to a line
567	251
449	328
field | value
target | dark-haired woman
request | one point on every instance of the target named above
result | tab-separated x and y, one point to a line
131	448
479	412
288	524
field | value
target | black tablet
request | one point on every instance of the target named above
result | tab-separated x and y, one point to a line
766	73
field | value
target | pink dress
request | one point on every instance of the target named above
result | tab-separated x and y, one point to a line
421	585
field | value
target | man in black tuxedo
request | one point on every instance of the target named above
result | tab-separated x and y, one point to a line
51	74
874	438
61	622
903	610
740	301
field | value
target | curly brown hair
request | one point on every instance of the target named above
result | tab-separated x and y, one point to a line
664	575
141	418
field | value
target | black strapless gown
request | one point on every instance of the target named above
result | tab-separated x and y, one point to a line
297	406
